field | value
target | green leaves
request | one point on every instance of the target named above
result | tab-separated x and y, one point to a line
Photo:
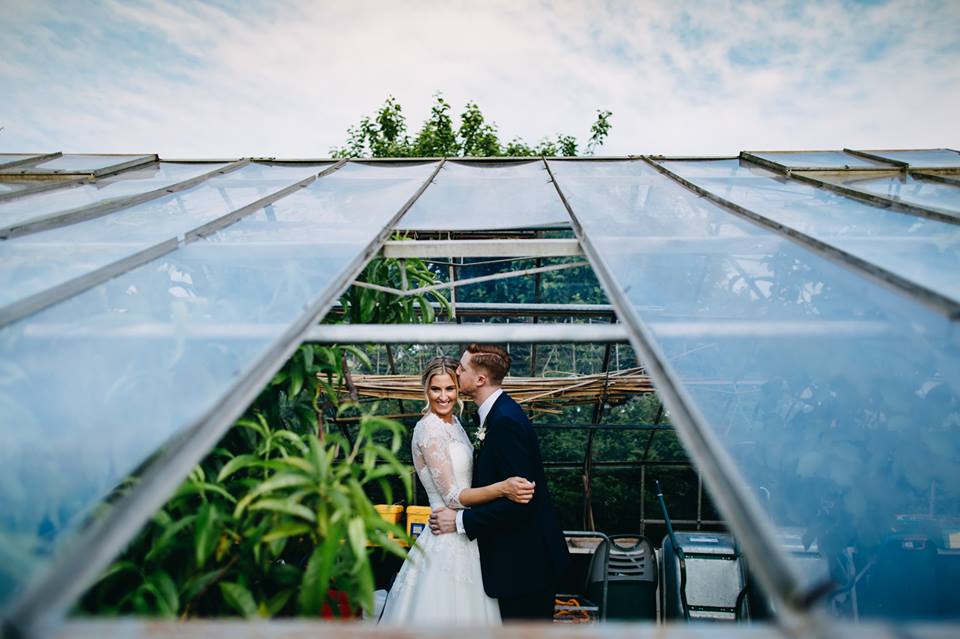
239	598
385	135
206	533
271	498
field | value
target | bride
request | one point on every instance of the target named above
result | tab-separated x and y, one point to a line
440	582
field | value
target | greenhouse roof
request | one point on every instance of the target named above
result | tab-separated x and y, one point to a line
145	302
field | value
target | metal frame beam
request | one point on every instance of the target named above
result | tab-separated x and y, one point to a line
470	280
29	305
52	592
99	209
41	186
106	170
750	156
745	515
488	309
38	157
905	286
507	333
900	206
482	248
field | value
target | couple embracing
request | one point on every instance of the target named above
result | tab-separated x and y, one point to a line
494	550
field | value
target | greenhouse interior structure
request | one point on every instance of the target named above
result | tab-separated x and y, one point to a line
769	341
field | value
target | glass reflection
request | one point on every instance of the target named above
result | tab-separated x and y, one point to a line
140	180
927	158
922	250
92	387
472	196
837	399
819	159
36	262
906	188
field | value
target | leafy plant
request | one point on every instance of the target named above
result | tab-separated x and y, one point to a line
385	135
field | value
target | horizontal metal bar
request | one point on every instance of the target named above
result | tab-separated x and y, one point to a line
39	157
578	427
485	309
624	464
482	248
470	280
100	209
911	289
465	333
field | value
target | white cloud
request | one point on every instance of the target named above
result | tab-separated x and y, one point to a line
287	79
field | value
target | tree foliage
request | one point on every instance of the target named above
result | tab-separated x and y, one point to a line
386	135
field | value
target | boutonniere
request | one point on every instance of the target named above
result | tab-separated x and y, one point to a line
480	435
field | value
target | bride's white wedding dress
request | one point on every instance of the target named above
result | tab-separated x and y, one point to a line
440	582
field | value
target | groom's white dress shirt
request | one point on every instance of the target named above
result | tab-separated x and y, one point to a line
482	410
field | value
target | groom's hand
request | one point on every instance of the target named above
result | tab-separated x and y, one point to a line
443	520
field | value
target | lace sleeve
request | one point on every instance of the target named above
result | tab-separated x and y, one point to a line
432	442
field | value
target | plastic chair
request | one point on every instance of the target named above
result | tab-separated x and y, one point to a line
631	578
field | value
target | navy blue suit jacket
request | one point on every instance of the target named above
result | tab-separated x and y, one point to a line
522	548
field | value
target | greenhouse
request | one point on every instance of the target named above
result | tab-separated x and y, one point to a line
769	341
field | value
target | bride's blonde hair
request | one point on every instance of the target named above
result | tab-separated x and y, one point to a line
440	365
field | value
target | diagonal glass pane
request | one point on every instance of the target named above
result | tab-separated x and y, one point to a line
487	196
92	387
134	182
36	262
6	186
837	400
923	159
819	159
903	188
922	250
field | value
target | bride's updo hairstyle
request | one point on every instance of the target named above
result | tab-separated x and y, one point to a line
440	365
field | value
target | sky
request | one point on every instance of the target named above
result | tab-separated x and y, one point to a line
286	78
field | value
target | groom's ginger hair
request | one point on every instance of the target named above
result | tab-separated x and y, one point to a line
491	358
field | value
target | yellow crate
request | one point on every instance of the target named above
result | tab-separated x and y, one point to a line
392	513
417	518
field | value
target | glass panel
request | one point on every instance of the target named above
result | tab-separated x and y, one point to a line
8	186
837	399
90	388
487	196
818	159
134	182
76	163
919	249
904	188
42	260
930	158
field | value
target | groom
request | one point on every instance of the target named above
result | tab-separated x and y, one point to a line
522	549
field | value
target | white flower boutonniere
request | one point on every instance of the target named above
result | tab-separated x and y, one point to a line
480	435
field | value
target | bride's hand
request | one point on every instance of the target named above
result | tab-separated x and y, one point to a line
517	489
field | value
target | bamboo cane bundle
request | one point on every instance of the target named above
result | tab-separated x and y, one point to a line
574	389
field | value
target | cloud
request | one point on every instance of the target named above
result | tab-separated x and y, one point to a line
189	79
